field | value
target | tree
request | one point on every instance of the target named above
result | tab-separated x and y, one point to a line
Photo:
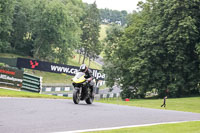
90	46
111	58
181	37
45	29
56	31
21	40
159	49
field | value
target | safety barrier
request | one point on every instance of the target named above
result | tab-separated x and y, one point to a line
31	83
97	96
110	95
61	94
61	88
56	89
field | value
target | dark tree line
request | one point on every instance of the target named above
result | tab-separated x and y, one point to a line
48	29
158	50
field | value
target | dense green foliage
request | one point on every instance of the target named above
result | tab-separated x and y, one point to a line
111	58
6	20
56	31
113	16
47	29
159	50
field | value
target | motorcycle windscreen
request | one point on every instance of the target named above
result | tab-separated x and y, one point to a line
79	77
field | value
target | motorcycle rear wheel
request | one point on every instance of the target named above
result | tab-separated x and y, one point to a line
76	98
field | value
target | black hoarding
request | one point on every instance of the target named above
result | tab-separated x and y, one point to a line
53	67
11	77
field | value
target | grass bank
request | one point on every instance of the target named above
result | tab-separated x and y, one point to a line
189	104
102	32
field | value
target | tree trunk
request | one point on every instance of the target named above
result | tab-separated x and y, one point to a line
79	60
84	58
37	51
89	63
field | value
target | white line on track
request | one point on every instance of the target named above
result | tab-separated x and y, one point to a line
112	128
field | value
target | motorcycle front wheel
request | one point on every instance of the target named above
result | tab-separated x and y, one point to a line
76	97
90	99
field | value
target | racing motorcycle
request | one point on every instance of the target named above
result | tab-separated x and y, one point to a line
81	89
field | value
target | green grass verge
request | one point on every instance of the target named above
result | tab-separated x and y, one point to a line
190	104
11	93
103	36
185	127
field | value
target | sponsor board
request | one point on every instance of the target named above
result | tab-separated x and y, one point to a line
53	67
11	77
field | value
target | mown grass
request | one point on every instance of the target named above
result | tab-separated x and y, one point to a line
103	36
75	61
11	93
103	31
185	127
189	104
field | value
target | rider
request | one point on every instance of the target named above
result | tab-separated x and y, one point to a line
88	75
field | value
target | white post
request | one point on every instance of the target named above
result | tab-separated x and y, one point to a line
40	85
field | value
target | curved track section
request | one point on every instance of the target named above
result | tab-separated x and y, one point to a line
27	115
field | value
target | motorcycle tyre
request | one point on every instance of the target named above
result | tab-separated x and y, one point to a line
90	99
76	98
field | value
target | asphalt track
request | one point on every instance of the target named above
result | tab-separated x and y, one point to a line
29	115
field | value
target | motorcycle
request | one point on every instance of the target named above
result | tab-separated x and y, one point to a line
81	89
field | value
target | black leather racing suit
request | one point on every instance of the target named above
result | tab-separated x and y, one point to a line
89	77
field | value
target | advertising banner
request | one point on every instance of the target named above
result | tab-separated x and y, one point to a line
11	77
53	67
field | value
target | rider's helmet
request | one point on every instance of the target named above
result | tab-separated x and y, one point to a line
83	68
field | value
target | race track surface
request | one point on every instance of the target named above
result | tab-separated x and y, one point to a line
29	115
